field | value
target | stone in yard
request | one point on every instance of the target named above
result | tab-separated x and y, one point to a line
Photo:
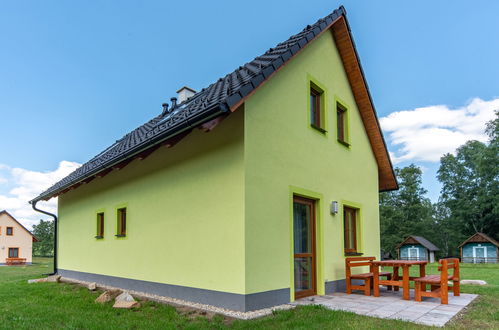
125	296
475	282
125	300
37	280
54	278
92	286
126	304
106	296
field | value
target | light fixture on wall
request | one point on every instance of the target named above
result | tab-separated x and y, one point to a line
334	207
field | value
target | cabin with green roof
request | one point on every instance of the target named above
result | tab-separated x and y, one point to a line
246	194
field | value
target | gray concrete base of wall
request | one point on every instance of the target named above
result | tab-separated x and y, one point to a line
231	301
227	300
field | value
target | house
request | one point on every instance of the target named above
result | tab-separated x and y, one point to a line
247	194
417	248
479	248
16	242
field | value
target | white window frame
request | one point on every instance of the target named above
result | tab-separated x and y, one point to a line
484	252
409	252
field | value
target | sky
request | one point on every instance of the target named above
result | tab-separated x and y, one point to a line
76	76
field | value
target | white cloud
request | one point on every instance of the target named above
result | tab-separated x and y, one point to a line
425	134
23	185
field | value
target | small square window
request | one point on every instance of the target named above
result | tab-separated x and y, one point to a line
121	222
10	231
100	225
13	252
341	114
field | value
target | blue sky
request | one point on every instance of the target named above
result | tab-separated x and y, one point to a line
75	76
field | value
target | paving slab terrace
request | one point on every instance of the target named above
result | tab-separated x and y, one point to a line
390	305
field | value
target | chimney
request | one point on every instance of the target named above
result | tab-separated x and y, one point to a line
184	93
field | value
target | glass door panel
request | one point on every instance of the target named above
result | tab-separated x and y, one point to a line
304	247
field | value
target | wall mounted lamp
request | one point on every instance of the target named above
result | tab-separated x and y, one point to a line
334	207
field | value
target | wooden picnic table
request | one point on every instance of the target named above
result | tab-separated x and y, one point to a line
395	281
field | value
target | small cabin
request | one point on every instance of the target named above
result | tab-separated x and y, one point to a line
417	248
479	248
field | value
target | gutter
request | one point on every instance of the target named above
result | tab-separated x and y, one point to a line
33	205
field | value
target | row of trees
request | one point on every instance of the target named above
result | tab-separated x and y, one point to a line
468	202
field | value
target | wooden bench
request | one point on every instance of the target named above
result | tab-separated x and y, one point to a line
439	283
15	261
366	277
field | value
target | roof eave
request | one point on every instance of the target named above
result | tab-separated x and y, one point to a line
189	124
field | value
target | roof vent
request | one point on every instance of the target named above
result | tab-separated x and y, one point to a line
184	93
174	103
165	109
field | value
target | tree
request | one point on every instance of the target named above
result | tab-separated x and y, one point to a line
447	234
470	184
406	211
44	232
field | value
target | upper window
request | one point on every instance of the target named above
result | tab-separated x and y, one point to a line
121	222
13	252
341	120
350	227
100	225
10	231
316	108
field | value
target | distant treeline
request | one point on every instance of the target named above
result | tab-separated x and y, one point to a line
468	202
44	232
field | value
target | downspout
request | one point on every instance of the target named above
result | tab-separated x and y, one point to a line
33	205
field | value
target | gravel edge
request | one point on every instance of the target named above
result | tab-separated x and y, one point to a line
179	302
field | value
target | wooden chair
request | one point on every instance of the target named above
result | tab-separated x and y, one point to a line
439	283
366	277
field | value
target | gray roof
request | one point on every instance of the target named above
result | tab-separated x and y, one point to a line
424	242
210	102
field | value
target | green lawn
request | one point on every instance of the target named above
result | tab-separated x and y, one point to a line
54	306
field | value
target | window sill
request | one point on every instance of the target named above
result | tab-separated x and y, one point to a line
99	237
120	235
320	129
346	144
353	254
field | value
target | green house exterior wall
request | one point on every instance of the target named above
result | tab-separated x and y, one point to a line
185	210
215	211
285	156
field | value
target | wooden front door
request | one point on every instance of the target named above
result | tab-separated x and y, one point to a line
304	247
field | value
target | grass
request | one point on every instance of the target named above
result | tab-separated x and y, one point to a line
56	306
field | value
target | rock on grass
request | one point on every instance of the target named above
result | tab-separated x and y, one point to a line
107	296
